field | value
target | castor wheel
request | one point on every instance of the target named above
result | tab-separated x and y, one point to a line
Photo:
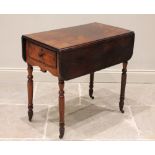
30	115
122	111
61	130
92	97
61	135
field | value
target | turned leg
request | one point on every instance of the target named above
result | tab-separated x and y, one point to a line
123	84
61	108
91	85
30	91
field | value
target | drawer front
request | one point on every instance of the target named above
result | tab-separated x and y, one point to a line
41	55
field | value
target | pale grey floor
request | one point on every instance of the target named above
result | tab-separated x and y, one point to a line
86	119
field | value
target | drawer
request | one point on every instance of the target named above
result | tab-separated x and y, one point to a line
41	55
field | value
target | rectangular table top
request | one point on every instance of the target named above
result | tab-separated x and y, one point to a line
76	36
76	51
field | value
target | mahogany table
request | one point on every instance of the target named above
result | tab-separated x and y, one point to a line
76	51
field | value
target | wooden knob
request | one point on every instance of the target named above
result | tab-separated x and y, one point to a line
41	54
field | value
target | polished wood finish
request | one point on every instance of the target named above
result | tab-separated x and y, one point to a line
82	47
91	85
72	52
123	84
30	91
77	35
61	108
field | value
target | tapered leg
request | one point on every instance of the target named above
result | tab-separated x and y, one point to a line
30	91
123	84
91	85
61	108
